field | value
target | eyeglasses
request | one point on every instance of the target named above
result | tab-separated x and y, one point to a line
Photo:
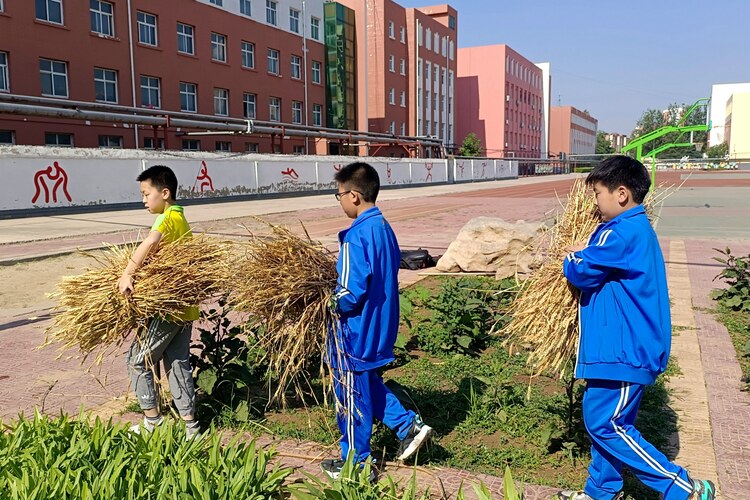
339	195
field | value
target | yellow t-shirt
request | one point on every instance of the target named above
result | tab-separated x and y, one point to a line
173	225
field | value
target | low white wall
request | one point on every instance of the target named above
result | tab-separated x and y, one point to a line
39	177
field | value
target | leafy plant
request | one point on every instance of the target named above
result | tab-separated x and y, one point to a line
226	365
737	275
62	458
461	316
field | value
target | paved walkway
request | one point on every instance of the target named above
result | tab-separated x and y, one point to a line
714	437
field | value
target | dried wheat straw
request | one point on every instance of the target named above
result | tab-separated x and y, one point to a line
285	283
92	315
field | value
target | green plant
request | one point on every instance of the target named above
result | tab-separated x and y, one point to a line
736	274
461	315
64	458
471	146
510	492
226	365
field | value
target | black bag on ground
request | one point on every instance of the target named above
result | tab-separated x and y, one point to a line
416	259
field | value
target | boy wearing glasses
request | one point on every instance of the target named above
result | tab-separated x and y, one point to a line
366	301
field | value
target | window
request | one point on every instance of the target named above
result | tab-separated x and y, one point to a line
1	6
274	109
296	67
218	47
191	145
296	112
223	146
150	92
273	61
7	136
452	22
317	115
392	127
428	38
391	63
248	55
271	12
110	141
188	97
151	143
101	18
392	96
427	67
54	76
403	34
391	30
403	98
316	70
4	78
220	3
298	149
403	129
402	67
315	28
451	50
147	29
55	139
252	147
436	43
248	105
105	85
221	102
50	11
185	39
246	8
294	20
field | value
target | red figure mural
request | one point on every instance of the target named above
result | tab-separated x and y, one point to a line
484	168
338	166
461	168
290	175
56	174
428	166
204	178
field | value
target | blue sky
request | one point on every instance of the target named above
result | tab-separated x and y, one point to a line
617	59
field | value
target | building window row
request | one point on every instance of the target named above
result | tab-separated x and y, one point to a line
102	17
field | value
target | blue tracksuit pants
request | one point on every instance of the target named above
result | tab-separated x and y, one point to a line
609	411
362	397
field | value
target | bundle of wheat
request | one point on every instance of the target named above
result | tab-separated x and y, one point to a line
545	312
285	283
92	315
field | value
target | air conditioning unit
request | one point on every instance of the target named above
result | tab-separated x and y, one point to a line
507	97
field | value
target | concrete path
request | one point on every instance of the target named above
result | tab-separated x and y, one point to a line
714	413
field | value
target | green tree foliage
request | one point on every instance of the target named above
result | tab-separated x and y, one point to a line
471	146
653	119
718	151
603	146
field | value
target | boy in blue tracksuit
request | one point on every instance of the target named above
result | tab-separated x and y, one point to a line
367	303
626	336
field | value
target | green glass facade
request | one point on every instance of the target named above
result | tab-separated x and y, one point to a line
341	67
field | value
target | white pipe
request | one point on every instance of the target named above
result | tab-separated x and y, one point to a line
304	64
132	68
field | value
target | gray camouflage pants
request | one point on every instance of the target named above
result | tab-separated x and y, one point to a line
171	342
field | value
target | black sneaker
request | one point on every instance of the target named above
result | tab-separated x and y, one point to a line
333	466
579	495
417	436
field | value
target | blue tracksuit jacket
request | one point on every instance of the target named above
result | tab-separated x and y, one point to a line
624	313
367	291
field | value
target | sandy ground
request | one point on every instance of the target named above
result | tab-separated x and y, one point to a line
24	286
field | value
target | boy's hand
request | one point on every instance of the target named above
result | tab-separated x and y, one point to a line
125	284
575	248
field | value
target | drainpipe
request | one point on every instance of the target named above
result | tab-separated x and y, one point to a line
304	64
132	69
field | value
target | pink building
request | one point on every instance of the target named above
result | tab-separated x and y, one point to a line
406	67
572	131
501	100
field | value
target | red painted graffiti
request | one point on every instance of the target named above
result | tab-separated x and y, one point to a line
428	166
290	174
52	173
206	183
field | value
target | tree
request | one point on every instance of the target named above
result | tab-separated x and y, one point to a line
718	151
603	146
652	119
471	146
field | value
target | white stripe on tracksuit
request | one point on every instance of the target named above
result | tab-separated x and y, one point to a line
633	445
345	266
350	409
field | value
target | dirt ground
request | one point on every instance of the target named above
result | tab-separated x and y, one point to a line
24	286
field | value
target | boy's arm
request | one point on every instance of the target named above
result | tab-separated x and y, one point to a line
354	277
148	245
586	269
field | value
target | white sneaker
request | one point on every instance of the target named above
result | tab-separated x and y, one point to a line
192	432
146	426
418	434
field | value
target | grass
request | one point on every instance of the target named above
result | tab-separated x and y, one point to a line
738	326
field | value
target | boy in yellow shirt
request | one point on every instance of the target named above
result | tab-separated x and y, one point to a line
161	338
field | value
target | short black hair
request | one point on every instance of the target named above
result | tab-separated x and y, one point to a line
160	177
361	177
625	171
